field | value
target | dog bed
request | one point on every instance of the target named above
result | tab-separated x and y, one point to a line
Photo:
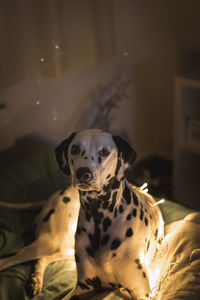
35	179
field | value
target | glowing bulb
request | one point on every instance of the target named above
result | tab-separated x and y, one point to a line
159	202
42	59
57	47
70	251
37	102
144	186
73	227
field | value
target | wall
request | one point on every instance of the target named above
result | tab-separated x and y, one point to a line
151	37
157	35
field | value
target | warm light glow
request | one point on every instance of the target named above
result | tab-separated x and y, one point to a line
159	202
70	251
144	186
125	53
73	227
57	47
37	102
42	59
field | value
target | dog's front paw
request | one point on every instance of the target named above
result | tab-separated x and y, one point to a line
34	285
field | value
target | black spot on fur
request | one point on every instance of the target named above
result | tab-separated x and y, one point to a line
82	285
72	162
129	232
105	198
137	261
148	244
90	251
146	221
99	160
115	244
62	192
135	199
51	211
95	282
66	199
156	234
88	216
128	218
121	209
112	284
127	195
144	275
83	229
115	213
106	223
114	254
92	158
95	238
85	157
139	267
116	184
105	240
109	175
134	212
141	214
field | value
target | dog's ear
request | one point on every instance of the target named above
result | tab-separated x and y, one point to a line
125	150
62	154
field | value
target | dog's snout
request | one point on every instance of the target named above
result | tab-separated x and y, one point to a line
84	174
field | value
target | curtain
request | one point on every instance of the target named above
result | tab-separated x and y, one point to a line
50	37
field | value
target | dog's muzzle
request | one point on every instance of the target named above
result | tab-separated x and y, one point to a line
84	175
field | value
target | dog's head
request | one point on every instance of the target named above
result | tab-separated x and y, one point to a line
93	157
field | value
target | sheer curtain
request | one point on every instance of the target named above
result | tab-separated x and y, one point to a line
50	37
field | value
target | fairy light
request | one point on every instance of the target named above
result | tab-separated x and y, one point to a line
57	47
159	202
70	251
37	102
73	227
144	186
42	59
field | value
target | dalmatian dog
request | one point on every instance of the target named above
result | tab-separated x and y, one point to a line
119	226
114	225
54	229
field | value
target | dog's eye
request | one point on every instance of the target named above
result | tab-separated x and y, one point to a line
104	152
75	149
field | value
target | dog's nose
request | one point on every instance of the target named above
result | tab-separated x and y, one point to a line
84	174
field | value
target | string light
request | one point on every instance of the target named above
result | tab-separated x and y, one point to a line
42	59
144	186
159	202
70	251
